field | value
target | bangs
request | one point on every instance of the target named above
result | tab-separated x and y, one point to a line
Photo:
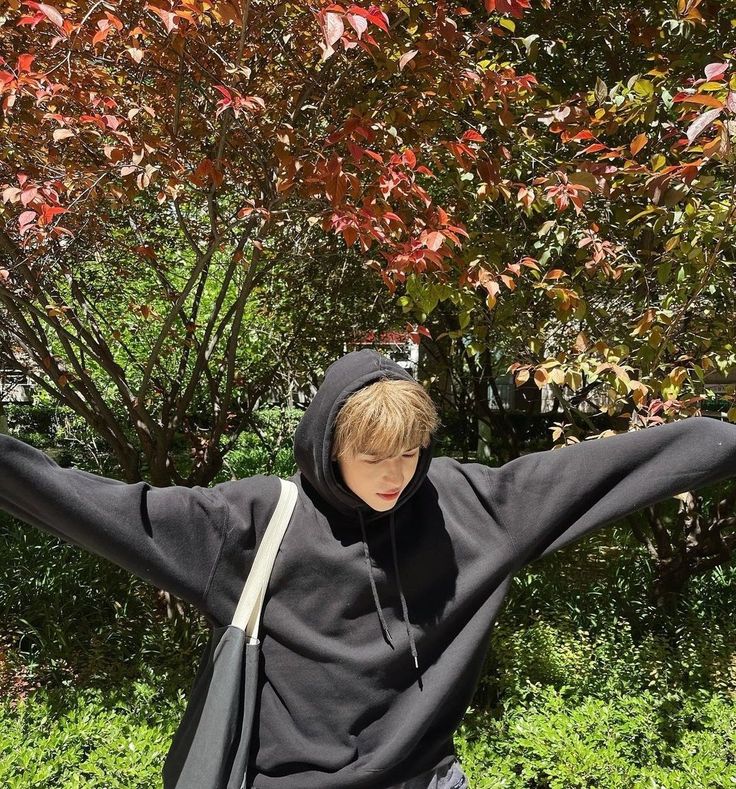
385	419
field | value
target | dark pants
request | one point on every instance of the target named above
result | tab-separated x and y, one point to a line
451	776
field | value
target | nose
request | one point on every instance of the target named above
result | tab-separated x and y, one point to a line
394	476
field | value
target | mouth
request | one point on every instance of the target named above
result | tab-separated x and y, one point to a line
389	496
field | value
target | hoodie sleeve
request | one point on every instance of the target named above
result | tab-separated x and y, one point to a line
547	500
170	537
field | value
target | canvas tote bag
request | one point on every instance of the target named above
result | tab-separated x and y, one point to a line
210	747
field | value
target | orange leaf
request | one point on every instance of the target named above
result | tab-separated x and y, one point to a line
638	143
350	234
700	98
167	17
102	34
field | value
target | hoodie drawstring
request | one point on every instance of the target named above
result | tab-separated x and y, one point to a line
404	609
376	600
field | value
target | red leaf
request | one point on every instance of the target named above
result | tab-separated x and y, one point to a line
434	240
50	211
355	151
25	219
102	34
594	148
374	15
30	20
514	7
458	230
375	156
471	135
409	158
585	134
115	21
358	23
700	98
28	195
24	62
350	234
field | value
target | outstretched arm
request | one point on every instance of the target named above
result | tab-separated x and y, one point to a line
170	537
547	500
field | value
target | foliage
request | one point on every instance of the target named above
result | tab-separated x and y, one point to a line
159	277
669	742
267	448
112	737
583	675
584	622
575	219
119	620
598	260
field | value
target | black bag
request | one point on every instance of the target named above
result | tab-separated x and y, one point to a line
211	745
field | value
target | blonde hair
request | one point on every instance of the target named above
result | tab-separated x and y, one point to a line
385	419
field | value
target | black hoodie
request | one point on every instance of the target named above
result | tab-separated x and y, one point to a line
376	625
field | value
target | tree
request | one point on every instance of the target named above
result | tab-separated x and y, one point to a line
572	222
149	156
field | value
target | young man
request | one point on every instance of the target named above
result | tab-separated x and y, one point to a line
377	619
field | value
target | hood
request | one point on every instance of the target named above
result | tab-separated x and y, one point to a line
312	449
313	436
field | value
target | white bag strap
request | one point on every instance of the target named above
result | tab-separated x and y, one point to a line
247	615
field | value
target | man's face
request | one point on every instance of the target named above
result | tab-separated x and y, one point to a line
379	482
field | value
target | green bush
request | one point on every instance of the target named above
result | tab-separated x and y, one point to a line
581	618
115	738
587	684
71	618
266	449
551	741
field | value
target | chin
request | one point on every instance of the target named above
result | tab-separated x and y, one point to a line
384	506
